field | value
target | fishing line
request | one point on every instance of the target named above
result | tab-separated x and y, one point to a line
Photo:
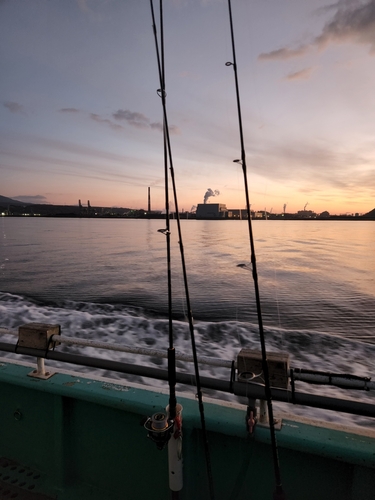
279	493
278	302
167	147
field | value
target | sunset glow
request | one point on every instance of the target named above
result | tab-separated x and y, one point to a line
80	117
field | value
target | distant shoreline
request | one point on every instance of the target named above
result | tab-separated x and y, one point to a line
8	209
184	216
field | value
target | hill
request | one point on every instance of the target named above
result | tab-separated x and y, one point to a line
4	202
370	215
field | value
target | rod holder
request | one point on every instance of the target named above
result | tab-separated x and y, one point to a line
251	418
263	413
40	371
250	368
175	462
38	336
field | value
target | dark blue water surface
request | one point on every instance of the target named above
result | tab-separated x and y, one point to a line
105	279
315	275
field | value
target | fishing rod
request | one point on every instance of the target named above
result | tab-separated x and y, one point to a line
171	350
168	157
171	432
279	492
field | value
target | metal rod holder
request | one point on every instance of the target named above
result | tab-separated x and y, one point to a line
40	371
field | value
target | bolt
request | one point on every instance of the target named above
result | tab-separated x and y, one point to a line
17	415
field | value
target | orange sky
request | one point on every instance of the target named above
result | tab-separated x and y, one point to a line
80	117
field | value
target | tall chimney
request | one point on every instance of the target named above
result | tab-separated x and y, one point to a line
149	200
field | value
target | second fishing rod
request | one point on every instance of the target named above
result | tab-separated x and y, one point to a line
279	492
168	158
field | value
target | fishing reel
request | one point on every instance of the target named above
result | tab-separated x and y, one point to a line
159	429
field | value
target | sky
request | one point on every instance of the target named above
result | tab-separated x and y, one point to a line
80	116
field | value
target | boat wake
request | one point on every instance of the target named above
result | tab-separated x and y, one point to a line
130	326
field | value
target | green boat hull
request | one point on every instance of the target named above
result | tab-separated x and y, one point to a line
72	437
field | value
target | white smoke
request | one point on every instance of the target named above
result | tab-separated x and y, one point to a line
210	193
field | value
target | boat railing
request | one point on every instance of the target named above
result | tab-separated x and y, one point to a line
245	372
144	351
344	381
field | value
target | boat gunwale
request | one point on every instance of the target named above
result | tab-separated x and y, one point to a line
336	441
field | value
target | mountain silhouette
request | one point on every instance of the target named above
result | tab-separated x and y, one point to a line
4	202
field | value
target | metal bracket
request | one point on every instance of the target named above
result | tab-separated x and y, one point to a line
250	367
40	372
277	424
38	336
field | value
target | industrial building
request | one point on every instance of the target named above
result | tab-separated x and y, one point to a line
212	211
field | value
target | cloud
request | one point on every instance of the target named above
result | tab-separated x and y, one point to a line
31	198
44	144
303	74
14	107
99	119
315	165
78	161
173	129
74	169
283	53
133	118
139	120
93	116
82	4
69	110
352	22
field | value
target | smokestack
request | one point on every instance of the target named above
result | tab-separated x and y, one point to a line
149	200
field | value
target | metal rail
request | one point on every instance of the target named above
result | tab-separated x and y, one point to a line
343	381
249	389
144	351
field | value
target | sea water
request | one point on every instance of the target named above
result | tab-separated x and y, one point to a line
105	279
